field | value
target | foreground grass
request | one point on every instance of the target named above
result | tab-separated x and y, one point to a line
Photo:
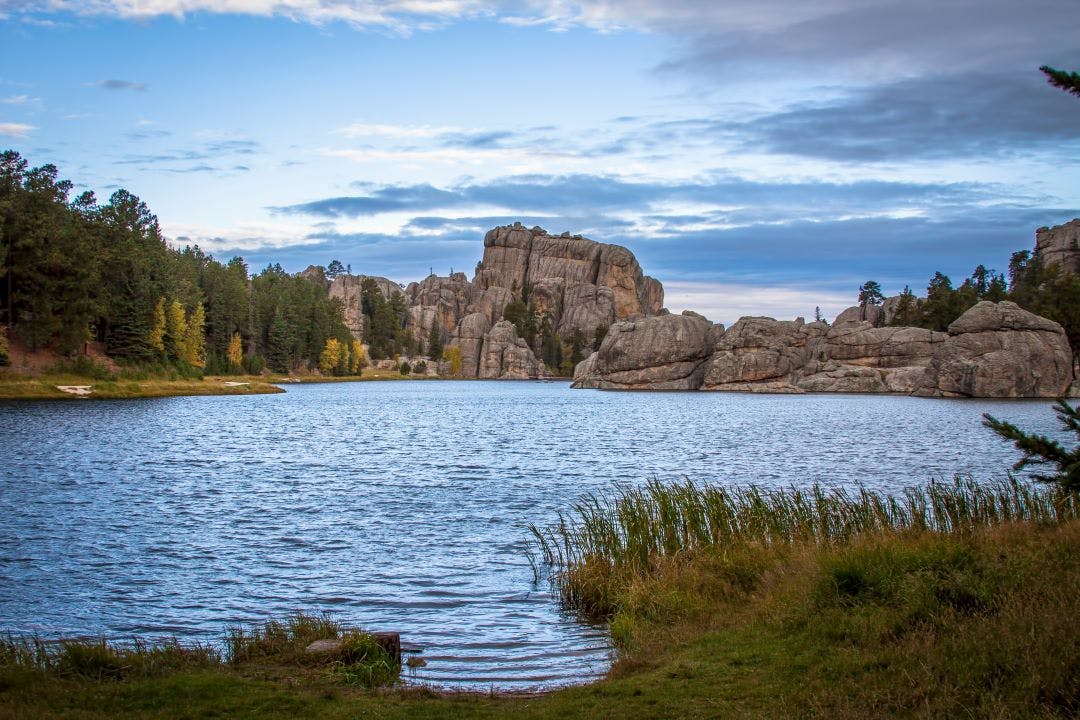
967	620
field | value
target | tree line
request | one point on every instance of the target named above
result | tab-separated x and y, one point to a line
1048	291
75	271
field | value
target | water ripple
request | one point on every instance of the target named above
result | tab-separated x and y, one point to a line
403	506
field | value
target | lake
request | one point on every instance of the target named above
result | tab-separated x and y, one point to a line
404	505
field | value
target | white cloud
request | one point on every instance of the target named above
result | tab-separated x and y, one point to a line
397	15
243	236
19	100
727	302
19	130
380	130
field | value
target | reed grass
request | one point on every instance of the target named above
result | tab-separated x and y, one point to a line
593	553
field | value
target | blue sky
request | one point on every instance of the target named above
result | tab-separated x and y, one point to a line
758	157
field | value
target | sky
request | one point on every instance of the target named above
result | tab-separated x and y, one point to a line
759	158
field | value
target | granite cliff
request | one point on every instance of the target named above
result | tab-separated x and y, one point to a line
578	284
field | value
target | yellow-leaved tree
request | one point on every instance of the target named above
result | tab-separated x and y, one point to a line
452	355
4	359
157	329
193	348
328	359
358	359
235	353
342	367
175	330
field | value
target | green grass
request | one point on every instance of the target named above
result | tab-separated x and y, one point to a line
955	602
606	544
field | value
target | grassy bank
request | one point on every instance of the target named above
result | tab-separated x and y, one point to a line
112	386
950	601
47	387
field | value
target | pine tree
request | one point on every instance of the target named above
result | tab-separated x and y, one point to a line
434	343
1067	81
156	338
1041	450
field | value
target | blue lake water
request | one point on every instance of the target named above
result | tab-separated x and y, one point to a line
404	505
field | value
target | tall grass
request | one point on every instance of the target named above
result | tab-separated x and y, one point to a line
97	659
357	659
606	541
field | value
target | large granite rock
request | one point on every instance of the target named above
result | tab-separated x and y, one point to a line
759	349
469	336
662	352
585	308
1060	245
505	356
449	296
1001	350
992	350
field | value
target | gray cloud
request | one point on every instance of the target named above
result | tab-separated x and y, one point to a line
119	85
974	114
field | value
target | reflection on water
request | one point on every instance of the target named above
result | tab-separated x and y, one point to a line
403	506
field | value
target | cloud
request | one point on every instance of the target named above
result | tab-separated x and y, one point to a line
400	16
726	302
119	85
20	100
210	151
720	202
975	114
19	130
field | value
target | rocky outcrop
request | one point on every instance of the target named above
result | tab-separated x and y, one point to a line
348	289
1060	246
992	350
662	352
469	336
505	356
760	348
581	284
1001	350
578	284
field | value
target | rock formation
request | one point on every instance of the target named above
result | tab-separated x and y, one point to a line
662	352
580	285
1060	246
992	350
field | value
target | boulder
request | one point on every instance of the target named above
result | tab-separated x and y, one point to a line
662	352
505	356
1001	350
859	343
759	349
872	314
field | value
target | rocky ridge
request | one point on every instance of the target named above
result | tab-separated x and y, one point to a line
992	350
581	285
